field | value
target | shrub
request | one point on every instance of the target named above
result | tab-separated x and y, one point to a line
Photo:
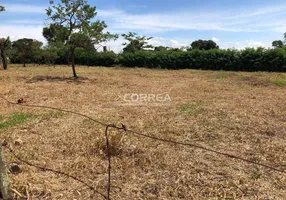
95	58
250	59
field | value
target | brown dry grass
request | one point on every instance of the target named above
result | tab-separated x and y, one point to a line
239	113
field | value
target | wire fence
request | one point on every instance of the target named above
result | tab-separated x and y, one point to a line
20	102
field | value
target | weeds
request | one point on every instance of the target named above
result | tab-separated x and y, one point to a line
18	118
191	109
15	119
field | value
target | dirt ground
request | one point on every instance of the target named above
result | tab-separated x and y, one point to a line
243	114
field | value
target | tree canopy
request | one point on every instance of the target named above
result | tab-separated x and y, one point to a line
135	42
2	8
26	50
203	45
277	44
72	25
161	48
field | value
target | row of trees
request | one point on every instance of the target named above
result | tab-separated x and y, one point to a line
25	51
32	51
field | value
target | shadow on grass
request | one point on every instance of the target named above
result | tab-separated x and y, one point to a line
58	79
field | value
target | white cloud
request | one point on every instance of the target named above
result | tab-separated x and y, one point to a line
159	41
117	46
22	31
245	44
23	21
24	8
120	21
255	20
252	43
25	31
137	6
215	39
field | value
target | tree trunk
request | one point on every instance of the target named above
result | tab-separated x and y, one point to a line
4	59
24	65
73	67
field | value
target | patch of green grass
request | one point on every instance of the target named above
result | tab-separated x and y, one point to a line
221	75
191	109
1	118
280	80
244	78
256	174
15	119
51	114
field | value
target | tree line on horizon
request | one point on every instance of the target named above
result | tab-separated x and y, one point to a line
72	36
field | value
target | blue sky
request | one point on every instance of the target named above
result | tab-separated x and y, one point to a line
230	23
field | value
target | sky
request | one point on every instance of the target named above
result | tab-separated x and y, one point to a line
230	23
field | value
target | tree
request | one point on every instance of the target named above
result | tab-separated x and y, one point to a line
26	50
277	44
161	48
56	33
2	8
136	43
71	25
48	56
203	45
176	49
5	44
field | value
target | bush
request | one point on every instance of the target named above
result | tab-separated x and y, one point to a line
250	59
94	58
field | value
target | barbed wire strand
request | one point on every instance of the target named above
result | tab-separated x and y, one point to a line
53	170
151	137
206	149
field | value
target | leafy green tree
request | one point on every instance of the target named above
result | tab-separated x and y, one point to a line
56	33
2	8
48	56
135	42
26	50
176	49
203	45
161	48
5	44
277	44
72	25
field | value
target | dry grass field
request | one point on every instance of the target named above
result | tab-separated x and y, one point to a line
243	114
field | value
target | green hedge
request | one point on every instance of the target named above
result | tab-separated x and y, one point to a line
95	59
250	59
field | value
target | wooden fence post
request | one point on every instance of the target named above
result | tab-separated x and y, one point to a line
5	185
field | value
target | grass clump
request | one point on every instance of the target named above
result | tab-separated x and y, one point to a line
222	75
280	80
19	118
191	109
15	119
52	114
